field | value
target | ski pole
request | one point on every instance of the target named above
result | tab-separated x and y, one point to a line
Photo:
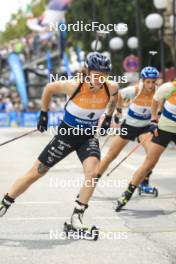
129	154
13	139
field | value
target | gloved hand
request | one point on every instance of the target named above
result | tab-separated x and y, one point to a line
42	124
118	115
106	122
159	114
154	127
116	119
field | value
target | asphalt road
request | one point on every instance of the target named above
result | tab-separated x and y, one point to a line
31	232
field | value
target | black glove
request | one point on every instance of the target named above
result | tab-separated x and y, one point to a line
42	124
159	114
153	128
106	122
116	119
118	115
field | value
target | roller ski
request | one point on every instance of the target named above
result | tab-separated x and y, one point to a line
76	229
126	196
84	233
147	190
145	187
5	204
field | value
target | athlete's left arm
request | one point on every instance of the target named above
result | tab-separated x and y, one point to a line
113	90
158	99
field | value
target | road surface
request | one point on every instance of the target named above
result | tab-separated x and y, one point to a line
31	232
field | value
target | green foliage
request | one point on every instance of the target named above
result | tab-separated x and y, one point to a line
114	12
38	9
103	11
20	29
17	31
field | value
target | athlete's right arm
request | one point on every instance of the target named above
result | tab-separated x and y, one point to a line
66	87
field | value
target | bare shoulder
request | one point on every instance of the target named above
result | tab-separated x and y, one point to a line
67	87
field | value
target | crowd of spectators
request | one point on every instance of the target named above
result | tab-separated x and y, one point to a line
10	102
29	49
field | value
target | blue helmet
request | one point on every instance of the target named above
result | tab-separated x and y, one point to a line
95	61
149	72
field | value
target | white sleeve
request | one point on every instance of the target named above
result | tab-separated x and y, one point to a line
163	91
128	92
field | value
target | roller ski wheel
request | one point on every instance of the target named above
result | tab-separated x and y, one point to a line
148	190
87	234
139	190
155	192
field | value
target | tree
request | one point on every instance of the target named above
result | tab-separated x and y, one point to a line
115	11
17	27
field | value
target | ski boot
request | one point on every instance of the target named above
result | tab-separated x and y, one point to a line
5	204
76	229
126	196
145	187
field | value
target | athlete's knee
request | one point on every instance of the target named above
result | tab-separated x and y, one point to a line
37	171
42	169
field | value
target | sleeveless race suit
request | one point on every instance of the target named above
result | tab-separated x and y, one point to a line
139	112
82	112
86	107
167	122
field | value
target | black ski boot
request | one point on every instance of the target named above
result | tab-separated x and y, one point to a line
5	204
126	196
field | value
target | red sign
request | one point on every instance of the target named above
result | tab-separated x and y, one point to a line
131	63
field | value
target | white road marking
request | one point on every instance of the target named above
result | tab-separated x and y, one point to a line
55	202
53	218
35	218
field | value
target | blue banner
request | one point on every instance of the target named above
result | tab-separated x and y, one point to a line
18	73
4	120
28	119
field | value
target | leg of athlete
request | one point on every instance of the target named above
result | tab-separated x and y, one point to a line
116	147
153	155
22	184
145	139
89	166
48	156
